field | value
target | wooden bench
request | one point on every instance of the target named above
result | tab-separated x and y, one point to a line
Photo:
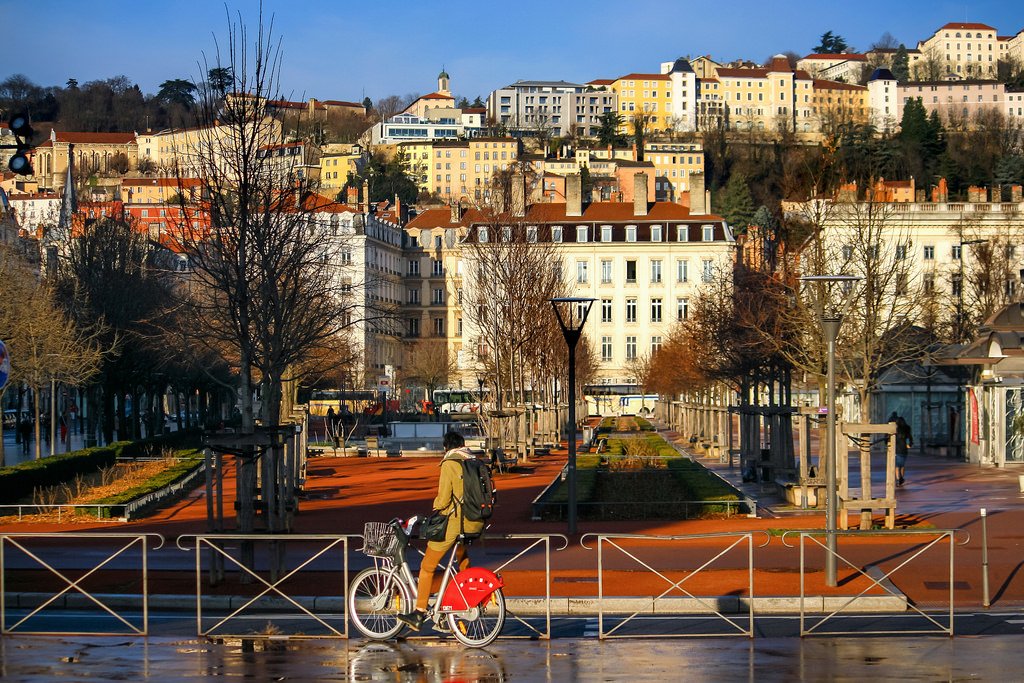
503	461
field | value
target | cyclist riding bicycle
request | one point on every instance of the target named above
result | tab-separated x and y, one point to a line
450	493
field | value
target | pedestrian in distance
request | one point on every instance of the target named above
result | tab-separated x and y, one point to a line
904	440
450	493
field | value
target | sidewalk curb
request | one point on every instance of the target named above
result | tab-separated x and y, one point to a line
522	606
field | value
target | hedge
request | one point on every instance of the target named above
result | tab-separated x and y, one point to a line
18	481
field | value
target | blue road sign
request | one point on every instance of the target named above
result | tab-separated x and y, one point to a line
5	365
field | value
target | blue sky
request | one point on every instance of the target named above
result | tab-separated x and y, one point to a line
343	49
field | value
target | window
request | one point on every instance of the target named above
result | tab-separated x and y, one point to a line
458	323
531	234
414	266
682	309
847	252
413	296
682	233
655	233
709	233
929	252
606	348
483	234
631	233
631	272
581	272
436	267
506	233
606	271
901	252
682	270
955	252
606	310
413	327
656	271
955	285
458	296
606	233
556	233
631	310
655	345
346	257
707	270
581	233
438	327
630	348
437	296
656	310
928	284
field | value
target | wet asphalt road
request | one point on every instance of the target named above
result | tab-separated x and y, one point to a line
987	648
992	658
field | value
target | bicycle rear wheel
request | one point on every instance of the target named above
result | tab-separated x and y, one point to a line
485	627
375	599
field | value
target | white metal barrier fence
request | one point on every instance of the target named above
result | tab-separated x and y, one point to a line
270	593
675	599
878	585
42	554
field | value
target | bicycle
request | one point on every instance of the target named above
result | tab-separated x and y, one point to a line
470	604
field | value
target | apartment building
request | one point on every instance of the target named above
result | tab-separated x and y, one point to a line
159	190
529	108
959	49
772	98
643	262
459	170
846	67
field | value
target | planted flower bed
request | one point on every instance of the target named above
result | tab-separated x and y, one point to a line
641	477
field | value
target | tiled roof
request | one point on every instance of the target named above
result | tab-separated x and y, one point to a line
161	182
960	25
342	103
435	96
836	85
799	74
839	56
95	138
648	77
601	81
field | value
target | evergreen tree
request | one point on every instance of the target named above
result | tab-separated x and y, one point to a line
832	44
608	131
736	203
901	64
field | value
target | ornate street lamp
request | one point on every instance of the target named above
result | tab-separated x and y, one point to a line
572	316
831	295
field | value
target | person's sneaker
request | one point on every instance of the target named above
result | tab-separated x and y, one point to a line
414	620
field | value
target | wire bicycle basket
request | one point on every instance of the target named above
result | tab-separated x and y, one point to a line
379	539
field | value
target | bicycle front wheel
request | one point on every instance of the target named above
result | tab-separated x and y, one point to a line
482	630
375	599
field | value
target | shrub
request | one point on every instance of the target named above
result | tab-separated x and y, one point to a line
20	480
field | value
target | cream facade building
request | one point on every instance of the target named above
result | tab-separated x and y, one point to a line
961	50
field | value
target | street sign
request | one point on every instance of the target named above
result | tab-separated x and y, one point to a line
383	382
5	365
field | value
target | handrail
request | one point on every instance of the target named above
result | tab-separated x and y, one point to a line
682	537
875	532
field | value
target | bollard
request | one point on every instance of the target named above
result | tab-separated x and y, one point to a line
984	559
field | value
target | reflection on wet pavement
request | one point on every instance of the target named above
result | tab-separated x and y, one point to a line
31	659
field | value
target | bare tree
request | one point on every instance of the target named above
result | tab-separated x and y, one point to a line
45	345
429	365
267	285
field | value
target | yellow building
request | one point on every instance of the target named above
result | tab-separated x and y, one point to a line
335	169
158	190
649	95
836	103
188	150
95	153
772	98
459	170
967	50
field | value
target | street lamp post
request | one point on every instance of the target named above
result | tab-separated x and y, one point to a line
830	313
571	313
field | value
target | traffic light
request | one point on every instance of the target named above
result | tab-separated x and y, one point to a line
22	129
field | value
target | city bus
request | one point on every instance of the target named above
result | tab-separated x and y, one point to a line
343	401
458	401
618	399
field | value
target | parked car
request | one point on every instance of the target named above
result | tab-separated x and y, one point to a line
10	418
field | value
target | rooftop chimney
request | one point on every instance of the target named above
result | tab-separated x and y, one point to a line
698	206
518	208
640	194
456	212
574	195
